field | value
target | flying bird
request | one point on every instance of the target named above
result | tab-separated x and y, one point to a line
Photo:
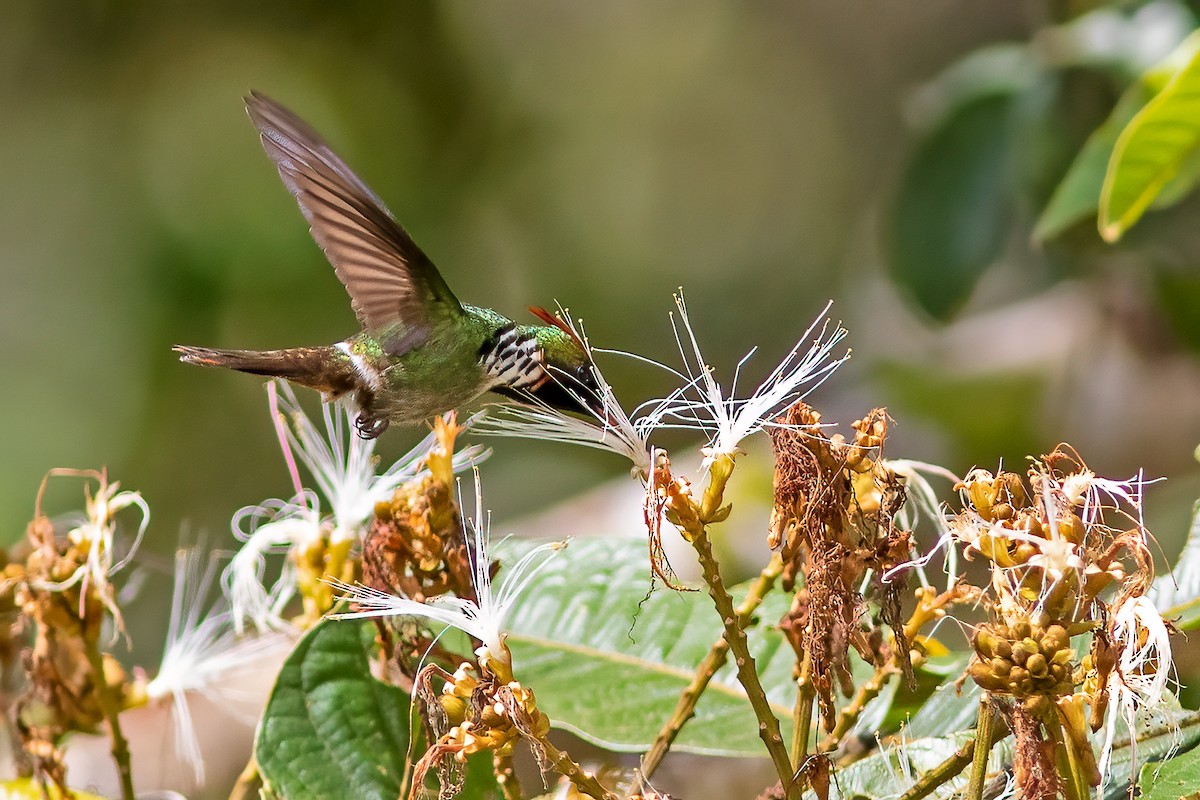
421	351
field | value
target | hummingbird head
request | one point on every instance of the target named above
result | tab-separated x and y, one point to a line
570	383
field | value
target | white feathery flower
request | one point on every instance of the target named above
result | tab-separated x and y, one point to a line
484	620
343	464
730	419
202	653
96	534
610	427
343	467
922	502
1138	683
276	526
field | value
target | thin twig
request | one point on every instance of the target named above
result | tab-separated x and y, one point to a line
984	731
848	716
693	519
768	724
506	777
111	710
946	771
806	695
685	708
248	783
584	781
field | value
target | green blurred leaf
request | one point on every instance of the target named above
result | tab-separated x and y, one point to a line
946	711
1177	293
905	704
609	663
1152	150
1178	594
887	773
1078	195
950	216
1006	432
1000	68
330	729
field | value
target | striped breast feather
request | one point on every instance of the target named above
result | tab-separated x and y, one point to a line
513	358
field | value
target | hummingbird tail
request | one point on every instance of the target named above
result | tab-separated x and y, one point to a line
317	368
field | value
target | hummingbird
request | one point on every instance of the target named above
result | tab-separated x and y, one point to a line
421	351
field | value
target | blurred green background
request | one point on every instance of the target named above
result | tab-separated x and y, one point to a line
767	157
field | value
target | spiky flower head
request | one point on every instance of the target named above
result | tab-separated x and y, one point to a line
1069	558
705	405
344	468
483	618
204	655
94	536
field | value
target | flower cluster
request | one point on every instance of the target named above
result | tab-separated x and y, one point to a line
64	587
344	469
1069	558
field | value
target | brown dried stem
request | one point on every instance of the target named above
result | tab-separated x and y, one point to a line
717	654
930	606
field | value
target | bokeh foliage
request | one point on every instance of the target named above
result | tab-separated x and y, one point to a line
596	154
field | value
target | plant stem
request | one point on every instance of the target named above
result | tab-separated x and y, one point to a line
109	707
955	764
584	781
943	772
506	776
865	694
984	732
717	654
802	714
248	783
735	635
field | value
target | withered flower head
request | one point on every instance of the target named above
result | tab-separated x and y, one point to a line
1069	557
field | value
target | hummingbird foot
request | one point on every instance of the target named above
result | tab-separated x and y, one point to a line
370	427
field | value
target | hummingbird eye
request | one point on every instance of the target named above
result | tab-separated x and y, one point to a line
585	376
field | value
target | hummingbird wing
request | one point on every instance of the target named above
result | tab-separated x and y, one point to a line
394	288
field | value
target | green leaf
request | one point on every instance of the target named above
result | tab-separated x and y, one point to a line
330	730
950	216
1178	594
1178	778
1153	148
946	711
1078	195
608	662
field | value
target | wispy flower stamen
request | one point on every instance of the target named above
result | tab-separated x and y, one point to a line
484	619
203	651
610	428
730	419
